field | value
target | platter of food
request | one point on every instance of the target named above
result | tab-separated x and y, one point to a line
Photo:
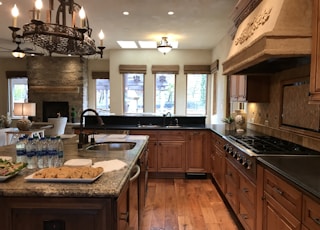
9	169
66	174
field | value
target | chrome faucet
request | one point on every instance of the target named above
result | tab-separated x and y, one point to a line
81	134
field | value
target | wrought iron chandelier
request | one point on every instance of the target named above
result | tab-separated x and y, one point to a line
58	37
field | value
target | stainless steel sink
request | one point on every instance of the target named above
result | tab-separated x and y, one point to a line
149	126
111	146
173	126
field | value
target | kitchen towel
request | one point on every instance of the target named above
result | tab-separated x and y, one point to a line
111	165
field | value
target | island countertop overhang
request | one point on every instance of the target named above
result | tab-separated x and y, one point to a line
109	184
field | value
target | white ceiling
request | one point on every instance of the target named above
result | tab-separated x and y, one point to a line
196	24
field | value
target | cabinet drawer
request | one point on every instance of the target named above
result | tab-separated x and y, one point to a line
220	143
289	197
153	135
232	176
247	191
171	135
311	213
246	215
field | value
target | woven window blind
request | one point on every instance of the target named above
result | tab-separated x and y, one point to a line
100	75
133	69
165	69
197	69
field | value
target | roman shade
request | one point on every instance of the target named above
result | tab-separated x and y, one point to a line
197	69
133	69
165	69
16	74
100	75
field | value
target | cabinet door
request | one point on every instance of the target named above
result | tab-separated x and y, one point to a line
276	217
196	159
238	87
219	169
153	156
311	213
232	186
56	213
315	54
123	209
171	156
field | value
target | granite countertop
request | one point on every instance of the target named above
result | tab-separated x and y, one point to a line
108	185
304	171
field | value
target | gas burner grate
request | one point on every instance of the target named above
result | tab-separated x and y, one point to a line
272	145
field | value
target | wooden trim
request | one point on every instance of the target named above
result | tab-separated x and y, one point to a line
197	69
214	67
133	69
54	89
165	69
100	75
16	74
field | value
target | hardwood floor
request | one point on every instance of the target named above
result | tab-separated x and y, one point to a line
185	204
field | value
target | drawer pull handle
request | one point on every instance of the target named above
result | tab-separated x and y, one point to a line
278	190
245	190
124	216
316	219
244	216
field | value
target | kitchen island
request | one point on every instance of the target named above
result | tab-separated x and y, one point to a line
102	204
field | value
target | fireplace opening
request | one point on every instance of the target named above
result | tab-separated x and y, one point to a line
52	108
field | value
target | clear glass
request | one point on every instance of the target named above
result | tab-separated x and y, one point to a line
103	96
165	93
133	92
196	94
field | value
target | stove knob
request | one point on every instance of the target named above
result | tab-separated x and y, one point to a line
234	154
225	147
249	164
238	157
244	161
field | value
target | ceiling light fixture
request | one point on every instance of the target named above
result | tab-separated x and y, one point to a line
58	37
18	52
164	46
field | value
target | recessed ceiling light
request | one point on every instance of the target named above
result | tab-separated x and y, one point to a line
147	44
170	13
0	3
127	44
125	13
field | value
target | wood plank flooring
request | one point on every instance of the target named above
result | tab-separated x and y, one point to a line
185	204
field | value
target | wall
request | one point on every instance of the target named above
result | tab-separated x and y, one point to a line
220	52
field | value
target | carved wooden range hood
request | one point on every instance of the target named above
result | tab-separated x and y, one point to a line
276	35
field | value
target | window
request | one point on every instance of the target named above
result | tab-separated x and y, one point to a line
165	93
18	91
133	92
196	93
103	96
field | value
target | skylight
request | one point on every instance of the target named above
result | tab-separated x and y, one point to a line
127	44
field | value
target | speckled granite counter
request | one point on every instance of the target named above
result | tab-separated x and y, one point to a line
304	171
109	184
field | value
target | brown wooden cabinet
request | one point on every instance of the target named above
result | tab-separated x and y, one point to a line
196	151
152	147
29	213
232	186
219	163
167	150
244	88
282	204
311	213
315	55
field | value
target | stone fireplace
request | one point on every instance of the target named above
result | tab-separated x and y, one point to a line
59	84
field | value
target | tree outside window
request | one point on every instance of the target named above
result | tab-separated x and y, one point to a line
133	92
196	94
165	93
103	96
18	91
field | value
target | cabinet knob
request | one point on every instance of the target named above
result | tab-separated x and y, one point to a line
124	216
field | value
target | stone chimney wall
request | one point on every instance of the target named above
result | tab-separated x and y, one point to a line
58	79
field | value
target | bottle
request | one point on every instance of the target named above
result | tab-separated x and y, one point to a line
52	152
21	151
31	154
42	153
60	149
